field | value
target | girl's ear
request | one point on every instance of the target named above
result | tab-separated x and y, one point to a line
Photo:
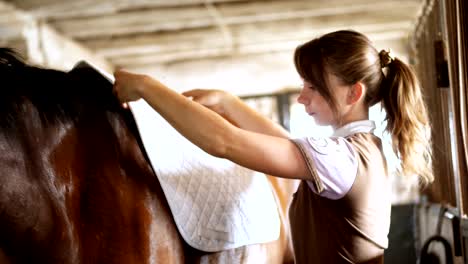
355	93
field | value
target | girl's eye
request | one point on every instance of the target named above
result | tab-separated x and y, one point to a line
307	85
310	86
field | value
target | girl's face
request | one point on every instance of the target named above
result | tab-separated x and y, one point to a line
317	107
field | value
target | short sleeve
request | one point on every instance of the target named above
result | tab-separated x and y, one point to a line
332	163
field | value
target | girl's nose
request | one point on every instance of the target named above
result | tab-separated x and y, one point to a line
302	99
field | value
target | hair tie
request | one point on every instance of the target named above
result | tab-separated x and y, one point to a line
385	58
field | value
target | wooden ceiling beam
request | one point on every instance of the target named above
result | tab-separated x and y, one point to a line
266	37
65	9
214	52
167	19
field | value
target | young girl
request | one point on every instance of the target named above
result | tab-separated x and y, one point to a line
341	210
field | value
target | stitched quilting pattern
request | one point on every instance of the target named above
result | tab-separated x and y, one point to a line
216	204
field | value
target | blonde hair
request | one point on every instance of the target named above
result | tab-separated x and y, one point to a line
351	57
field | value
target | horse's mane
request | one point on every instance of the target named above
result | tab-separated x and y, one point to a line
57	95
41	97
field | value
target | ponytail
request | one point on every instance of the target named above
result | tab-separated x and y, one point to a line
407	118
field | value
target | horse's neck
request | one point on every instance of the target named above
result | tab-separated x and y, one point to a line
30	212
85	192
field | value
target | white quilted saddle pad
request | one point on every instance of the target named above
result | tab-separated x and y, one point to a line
216	204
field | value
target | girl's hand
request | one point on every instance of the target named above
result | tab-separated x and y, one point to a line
212	99
127	86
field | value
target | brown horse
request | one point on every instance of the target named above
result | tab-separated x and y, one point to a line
75	185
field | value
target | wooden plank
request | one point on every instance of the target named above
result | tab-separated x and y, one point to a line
265	37
164	19
64	9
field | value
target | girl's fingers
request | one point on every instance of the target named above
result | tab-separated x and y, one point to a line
192	93
197	95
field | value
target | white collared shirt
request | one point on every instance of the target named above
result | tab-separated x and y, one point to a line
362	126
335	160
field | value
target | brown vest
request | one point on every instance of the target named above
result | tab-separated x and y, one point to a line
352	229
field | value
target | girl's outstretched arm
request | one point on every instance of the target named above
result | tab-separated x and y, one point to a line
273	155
